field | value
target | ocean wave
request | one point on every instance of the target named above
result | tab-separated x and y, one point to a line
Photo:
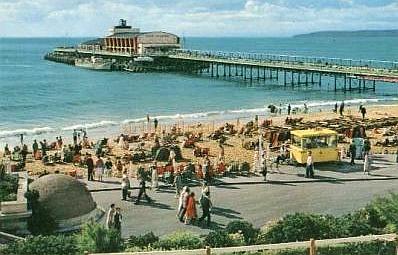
354	101
104	123
253	110
222	114
33	131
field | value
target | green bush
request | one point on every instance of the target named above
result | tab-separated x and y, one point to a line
218	239
142	241
41	222
8	187
42	245
249	232
96	238
179	241
383	212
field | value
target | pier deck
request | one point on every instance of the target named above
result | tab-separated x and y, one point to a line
295	71
304	64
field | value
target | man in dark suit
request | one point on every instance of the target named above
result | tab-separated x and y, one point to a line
90	167
142	192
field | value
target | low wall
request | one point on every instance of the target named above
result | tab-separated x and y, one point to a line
14	214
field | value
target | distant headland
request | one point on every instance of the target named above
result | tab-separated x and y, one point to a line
365	33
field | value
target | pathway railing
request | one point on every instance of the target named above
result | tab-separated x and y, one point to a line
312	246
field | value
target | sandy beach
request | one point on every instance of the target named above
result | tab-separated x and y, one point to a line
233	149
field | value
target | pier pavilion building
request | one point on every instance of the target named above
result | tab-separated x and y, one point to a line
127	39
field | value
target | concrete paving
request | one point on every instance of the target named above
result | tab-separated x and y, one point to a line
337	189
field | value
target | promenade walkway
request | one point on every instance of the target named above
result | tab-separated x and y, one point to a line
337	189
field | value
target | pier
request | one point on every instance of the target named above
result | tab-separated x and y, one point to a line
289	71
294	71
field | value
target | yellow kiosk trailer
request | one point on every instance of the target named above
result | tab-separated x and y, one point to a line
321	142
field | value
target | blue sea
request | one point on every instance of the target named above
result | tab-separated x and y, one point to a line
42	99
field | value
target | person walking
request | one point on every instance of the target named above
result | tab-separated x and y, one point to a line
341	110
182	202
353	152
206	205
366	146
190	214
125	186
74	137
178	184
335	108
117	220
155	176
363	112
309	170
99	168
108	167
35	148
156	123
90	167
110	217
142	192
264	167
289	109
366	164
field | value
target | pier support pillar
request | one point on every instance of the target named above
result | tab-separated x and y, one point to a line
298	78
320	80
345	83
292	79
258	73
306	79
335	83
349	83
284	78
374	85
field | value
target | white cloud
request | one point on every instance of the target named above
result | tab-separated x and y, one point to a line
189	17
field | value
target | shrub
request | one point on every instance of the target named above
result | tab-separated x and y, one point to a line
179	241
383	211
249	232
8	187
96	238
42	245
142	241
41	222
218	239
302	226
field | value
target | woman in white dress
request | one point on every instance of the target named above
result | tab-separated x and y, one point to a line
155	176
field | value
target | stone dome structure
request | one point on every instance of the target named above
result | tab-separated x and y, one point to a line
68	200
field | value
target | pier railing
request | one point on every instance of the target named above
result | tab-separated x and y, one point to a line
290	59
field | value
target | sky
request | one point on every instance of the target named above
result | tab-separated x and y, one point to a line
264	18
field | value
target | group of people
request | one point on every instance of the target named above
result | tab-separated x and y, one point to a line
187	212
99	168
114	218
341	109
